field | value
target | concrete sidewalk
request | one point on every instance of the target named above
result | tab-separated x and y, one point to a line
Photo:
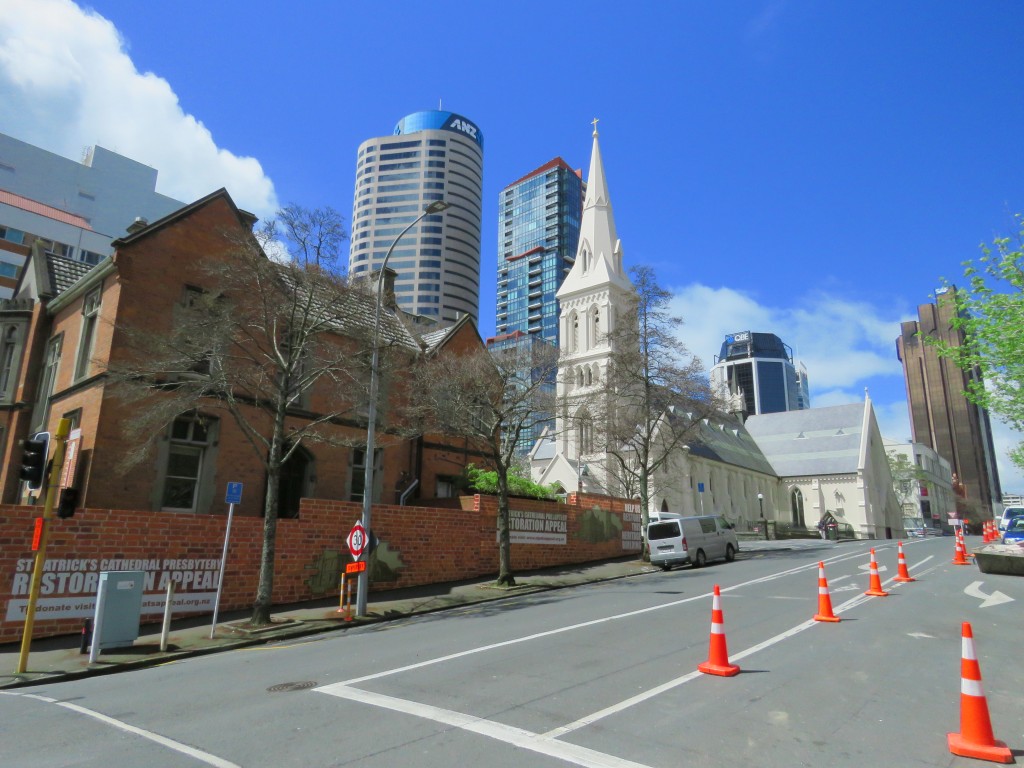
60	657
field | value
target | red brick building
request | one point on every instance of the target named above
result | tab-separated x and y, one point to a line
65	326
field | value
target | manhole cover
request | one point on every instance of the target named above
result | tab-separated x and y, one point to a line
299	686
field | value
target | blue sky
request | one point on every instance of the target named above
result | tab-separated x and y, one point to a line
806	168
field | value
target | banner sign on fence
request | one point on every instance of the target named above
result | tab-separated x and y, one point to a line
537	527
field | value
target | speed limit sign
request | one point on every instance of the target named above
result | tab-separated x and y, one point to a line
356	540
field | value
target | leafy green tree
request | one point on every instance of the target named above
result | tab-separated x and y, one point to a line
486	481
990	314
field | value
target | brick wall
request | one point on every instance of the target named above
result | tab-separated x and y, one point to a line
419	545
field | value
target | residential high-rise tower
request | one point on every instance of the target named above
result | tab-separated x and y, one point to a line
431	155
538	231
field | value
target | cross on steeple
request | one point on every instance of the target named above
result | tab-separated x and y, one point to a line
594	122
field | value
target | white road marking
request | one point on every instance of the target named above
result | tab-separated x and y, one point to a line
581	625
177	746
921	635
733	657
546	743
996	598
517	737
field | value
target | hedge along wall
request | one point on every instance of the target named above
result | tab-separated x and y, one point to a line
419	545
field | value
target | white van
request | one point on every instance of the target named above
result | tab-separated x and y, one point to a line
1008	514
677	540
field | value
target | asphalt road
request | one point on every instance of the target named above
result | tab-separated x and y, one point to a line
601	675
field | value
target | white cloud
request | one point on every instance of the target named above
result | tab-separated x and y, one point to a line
843	343
67	82
846	345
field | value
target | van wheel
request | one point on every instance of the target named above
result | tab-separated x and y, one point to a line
700	559
730	553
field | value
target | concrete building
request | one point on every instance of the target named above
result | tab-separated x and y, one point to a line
432	155
75	208
927	499
758	370
940	416
538	232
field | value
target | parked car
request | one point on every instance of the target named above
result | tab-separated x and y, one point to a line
677	540
1008	514
1014	531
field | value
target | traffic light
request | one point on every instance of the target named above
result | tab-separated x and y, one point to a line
68	502
33	459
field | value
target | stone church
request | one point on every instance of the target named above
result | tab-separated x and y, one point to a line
793	468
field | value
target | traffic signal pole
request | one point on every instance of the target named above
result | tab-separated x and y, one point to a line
50	481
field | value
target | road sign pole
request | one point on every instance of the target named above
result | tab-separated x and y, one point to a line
233	496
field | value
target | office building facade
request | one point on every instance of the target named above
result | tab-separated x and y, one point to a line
759	368
538	232
431	155
75	209
940	416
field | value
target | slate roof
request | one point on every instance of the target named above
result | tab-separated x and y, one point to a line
63	273
544	449
817	441
727	441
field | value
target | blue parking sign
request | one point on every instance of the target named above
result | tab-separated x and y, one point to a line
234	494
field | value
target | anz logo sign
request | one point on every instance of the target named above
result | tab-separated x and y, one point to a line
462	125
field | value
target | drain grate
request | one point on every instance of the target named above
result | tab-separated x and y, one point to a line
301	685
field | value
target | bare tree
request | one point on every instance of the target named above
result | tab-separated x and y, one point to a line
655	394
257	339
493	398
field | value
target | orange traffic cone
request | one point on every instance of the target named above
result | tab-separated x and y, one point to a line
975	738
718	655
875	586
824	599
904	574
958	553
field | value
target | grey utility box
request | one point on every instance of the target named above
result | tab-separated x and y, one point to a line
118	608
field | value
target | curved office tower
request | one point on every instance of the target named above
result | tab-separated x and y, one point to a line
760	368
431	155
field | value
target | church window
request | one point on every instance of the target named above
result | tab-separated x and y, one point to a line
797	506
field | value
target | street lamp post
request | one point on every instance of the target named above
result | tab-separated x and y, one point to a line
760	503
363	587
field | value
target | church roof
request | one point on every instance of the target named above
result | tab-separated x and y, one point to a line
726	441
816	441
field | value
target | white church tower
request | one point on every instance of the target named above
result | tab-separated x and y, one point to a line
593	297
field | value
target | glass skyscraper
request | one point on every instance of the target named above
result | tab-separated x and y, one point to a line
538	231
761	367
431	155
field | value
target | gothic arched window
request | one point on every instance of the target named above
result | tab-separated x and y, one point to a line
796	502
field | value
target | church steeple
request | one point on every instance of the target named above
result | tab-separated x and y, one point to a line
593	298
599	253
